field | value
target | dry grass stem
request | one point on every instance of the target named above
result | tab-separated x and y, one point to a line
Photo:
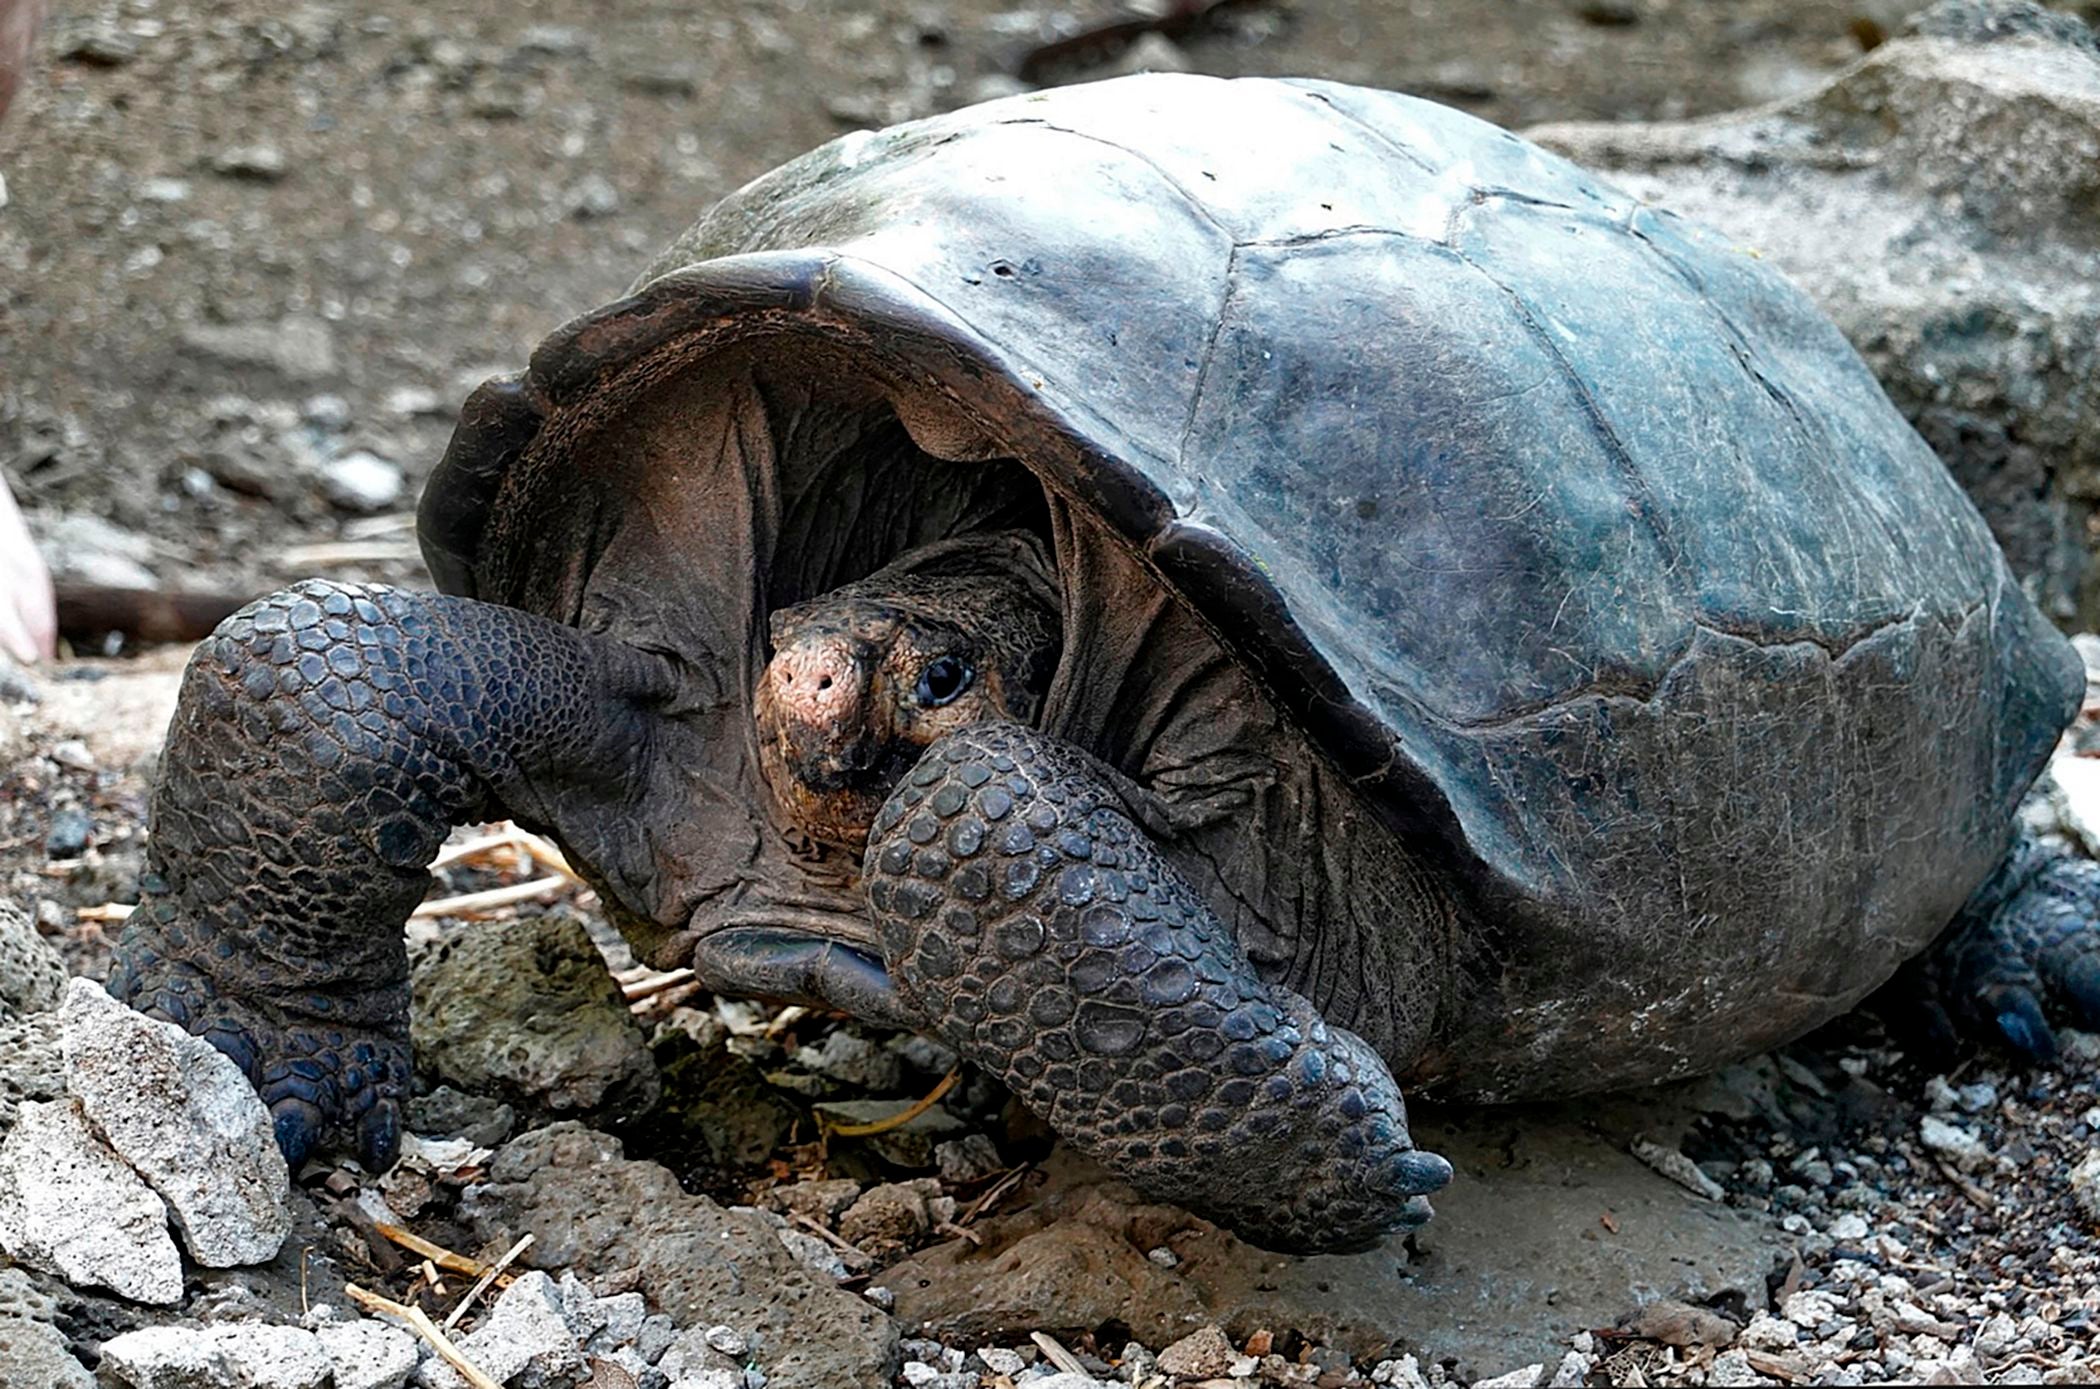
899	1119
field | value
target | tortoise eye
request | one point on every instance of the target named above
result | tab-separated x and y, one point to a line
943	681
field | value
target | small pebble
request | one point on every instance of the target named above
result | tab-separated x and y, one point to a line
362	482
71	832
257	163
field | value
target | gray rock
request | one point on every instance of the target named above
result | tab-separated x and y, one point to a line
971	1158
1957	1143
819	1257
297	347
449	1113
720	1102
1201	1354
84	549
1526	1378
1733	1367
1983	21
654	76
622	1316
362	481
31	1065
887	1219
180	1112
31	1346
1936	199
554	40
262	163
822	1201
852	1060
590	1207
32	976
410	401
692	1356
368	1354
525	1009
591	196
327	411
242	1355
20	1297
1515	1257
2085	1184
69	1206
33	1355
527	1337
70	833
97	43
1677	1167
1150	53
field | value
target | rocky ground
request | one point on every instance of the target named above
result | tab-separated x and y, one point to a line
254	255
684	1191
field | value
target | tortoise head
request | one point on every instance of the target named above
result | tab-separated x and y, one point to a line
863	679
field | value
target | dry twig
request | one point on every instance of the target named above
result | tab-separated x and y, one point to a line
421	1324
1056	1354
835	1240
481	1285
436	1253
998	1190
510	895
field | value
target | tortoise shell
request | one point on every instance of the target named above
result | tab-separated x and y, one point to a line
1571	538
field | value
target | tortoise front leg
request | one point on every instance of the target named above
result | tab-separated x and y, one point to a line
325	741
1025	913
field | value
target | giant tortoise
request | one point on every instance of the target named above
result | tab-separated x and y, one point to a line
1219	600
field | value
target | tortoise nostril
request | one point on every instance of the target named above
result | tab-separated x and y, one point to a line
823	684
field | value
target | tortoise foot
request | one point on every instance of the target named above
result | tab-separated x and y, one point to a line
1025	913
334	1078
326	739
2025	951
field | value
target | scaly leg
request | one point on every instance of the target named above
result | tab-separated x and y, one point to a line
2027	945
326	740
1029	918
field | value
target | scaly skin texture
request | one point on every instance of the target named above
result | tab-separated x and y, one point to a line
326	740
2029	937
1024	911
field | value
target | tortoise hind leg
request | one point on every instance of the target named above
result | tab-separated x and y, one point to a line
1025	913
2027	945
325	740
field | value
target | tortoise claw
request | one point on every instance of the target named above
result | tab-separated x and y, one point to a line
299	1125
379	1135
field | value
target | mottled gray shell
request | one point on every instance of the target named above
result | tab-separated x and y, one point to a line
1571	532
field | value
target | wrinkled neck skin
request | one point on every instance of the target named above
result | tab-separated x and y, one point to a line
834	725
